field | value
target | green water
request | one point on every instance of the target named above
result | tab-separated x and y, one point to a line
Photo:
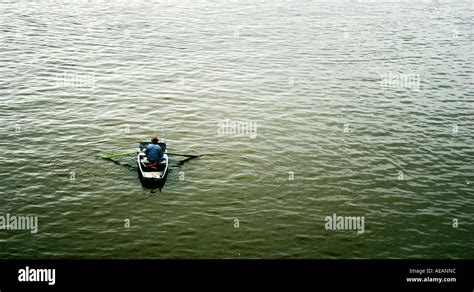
325	135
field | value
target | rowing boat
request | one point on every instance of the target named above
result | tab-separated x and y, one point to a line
148	172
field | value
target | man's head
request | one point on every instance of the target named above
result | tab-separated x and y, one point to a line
155	140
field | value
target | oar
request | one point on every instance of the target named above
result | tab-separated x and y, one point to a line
185	155
118	155
133	153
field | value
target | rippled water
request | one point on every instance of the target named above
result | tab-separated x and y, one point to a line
82	79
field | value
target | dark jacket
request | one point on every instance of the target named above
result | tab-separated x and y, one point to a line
154	152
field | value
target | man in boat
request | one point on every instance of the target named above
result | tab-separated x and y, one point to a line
153	152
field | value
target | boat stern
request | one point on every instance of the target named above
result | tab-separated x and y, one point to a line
153	175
